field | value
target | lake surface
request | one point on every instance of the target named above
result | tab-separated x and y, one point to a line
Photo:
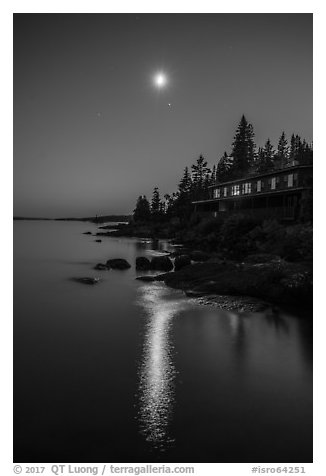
127	371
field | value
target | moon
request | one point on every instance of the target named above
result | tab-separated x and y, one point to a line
160	80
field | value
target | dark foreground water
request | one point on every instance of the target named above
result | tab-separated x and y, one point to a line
126	371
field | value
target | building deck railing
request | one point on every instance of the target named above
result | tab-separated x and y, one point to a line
285	213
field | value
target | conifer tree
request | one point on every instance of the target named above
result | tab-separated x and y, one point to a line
170	204
243	149
213	176
307	154
156	204
224	168
185	183
282	155
304	153
293	149
265	158
142	212
269	153
199	179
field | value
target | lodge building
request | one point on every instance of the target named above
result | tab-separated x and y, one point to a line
275	194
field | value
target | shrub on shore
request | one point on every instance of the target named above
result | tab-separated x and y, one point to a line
238	236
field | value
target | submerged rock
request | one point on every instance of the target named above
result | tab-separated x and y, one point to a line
98	241
181	261
87	233
161	263
118	263
86	280
142	263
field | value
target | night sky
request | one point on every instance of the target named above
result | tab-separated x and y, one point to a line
91	130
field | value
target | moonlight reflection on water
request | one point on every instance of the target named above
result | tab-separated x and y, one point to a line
157	370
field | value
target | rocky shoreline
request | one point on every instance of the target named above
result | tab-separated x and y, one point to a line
244	286
257	282
276	282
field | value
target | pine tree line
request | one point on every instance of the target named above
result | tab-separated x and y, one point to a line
244	159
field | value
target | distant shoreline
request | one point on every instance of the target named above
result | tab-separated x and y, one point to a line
29	218
101	219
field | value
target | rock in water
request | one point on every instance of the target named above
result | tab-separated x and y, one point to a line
161	263
98	241
181	261
143	264
86	280
118	263
146	278
101	267
87	233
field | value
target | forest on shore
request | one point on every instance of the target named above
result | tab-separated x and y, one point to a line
230	254
243	159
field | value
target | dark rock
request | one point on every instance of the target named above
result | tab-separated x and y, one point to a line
101	267
199	256
98	241
146	278
158	277
181	261
143	264
161	263
87	233
118	263
86	280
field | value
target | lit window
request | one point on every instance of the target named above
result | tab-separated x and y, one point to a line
273	183
225	190
235	190
247	187
258	185
217	193
290	180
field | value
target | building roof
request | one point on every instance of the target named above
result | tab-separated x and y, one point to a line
252	195
266	174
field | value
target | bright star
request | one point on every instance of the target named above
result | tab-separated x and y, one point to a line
160	80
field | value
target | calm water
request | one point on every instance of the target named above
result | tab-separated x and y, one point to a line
126	371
